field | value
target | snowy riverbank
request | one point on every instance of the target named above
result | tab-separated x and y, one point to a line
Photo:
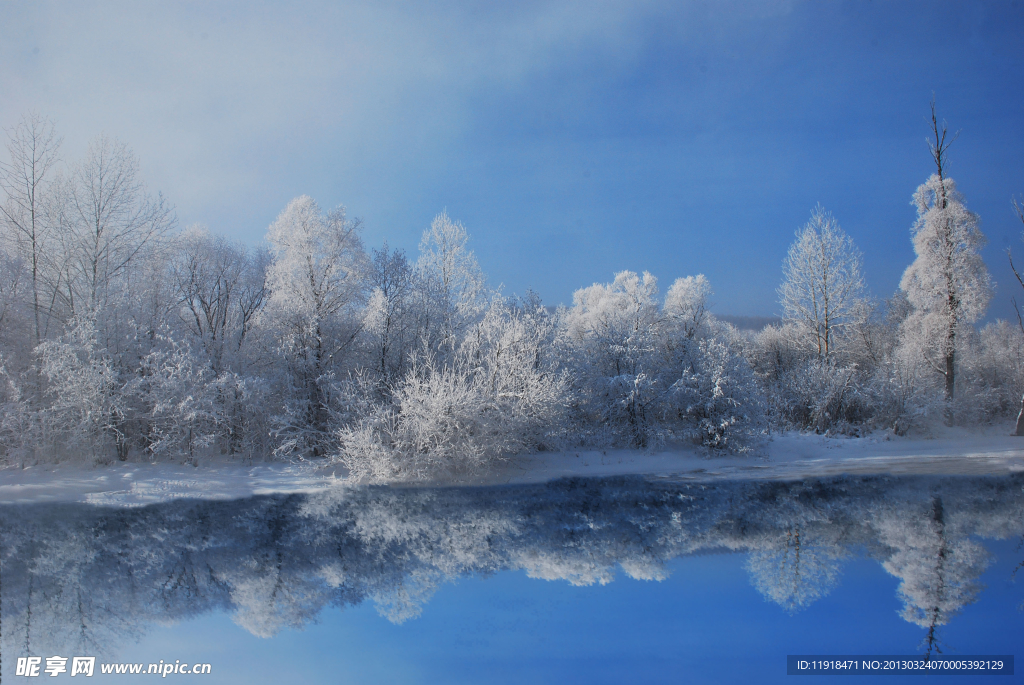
991	451
988	451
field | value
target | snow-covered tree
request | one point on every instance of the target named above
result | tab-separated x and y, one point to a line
1019	208
995	370
612	331
717	395
87	407
947	284
822	281
453	289
19	422
498	396
317	282
14	295
184	414
687	302
511	354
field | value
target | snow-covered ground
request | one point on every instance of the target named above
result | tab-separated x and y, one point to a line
794	455
989	451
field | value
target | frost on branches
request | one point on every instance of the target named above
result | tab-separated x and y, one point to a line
646	372
500	395
948	284
122	337
316	285
822	283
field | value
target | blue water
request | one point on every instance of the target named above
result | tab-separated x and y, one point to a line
704	624
481	618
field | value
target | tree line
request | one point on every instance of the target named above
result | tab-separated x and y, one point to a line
124	337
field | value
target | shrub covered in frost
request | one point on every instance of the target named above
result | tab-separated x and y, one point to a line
718	399
499	396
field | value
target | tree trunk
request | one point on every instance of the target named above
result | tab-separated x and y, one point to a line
950	374
1020	419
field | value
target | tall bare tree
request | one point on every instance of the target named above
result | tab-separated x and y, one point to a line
389	318
33	146
106	220
1019	208
222	287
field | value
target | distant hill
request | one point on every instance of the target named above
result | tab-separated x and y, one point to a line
750	323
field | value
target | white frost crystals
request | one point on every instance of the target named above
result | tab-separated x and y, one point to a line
122	337
948	284
317	291
822	282
649	373
85	406
447	419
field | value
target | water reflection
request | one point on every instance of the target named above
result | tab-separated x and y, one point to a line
80	579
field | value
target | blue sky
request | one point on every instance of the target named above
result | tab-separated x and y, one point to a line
573	139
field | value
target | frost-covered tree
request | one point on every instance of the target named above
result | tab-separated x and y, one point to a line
718	396
995	370
14	286
1019	208
453	289
183	414
317	282
822	281
711	388
87	408
498	396
220	290
612	331
687	302
947	284
813	366
511	354
20	436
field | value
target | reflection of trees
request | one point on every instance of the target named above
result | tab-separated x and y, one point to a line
938	564
49	568
795	541
84	578
1018	567
793	573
